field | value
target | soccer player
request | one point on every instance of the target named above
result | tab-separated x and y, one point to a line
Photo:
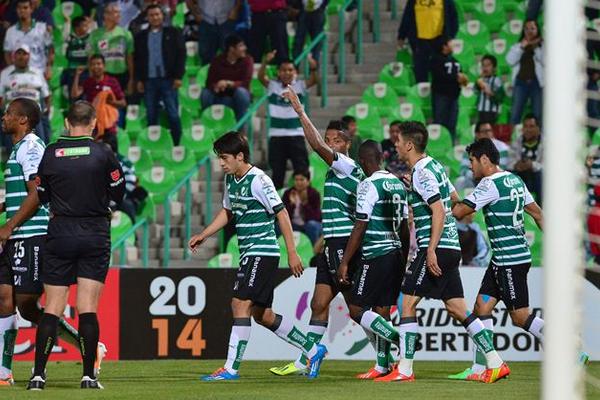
24	233
381	230
339	206
504	198
252	203
79	178
433	272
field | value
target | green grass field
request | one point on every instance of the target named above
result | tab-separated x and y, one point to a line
157	380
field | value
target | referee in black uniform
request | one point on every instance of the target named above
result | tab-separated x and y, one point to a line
79	178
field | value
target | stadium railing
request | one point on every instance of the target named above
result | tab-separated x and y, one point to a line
121	243
342	36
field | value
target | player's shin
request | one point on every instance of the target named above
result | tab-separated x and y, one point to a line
479	361
379	326
408	339
483	340
316	331
535	325
238	340
45	338
283	328
89	332
8	334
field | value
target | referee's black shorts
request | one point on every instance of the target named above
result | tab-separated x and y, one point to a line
76	248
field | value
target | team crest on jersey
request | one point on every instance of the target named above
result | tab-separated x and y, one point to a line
244	191
103	44
510	181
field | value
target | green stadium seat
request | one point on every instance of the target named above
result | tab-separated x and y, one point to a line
157	181
148	209
180	161
3	216
464	128
123	141
257	89
469	6
439	144
517	132
225	260
218	118
157	140
404	56
70	10
535	239
232	245
420	95
475	33
368	121
398	76
318	170
334	6
141	158
189	98
120	223
135	120
198	139
57	121
498	48
179	17
467	100
303	247
491	13
381	97
511	31
191	52
463	52
408	112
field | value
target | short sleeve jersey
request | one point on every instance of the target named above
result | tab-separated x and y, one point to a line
22	167
503	197
430	184
37	38
253	201
115	46
284	120
29	84
382	201
339	197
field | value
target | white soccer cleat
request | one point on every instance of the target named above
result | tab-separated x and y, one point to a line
101	352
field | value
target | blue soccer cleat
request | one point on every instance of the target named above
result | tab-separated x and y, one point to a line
314	364
220	375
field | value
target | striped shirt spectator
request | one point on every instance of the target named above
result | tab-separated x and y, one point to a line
490	91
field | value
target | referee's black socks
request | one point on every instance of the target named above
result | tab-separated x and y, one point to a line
45	338
89	332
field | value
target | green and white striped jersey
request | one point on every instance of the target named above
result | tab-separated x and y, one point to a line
339	197
284	120
381	200
253	201
430	184
21	167
503	197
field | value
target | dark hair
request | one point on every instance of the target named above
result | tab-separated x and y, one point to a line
491	58
347	119
286	61
97	57
232	41
484	147
340	126
441	42
77	21
81	113
415	132
539	34
153	6
232	143
370	151
28	108
533	117
22	1
479	123
304	172
395	122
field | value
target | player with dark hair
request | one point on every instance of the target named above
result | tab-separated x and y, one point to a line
79	179
252	203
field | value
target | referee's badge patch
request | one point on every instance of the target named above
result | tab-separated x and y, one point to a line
115	175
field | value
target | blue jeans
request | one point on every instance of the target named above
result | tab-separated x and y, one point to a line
311	23
212	38
445	112
523	91
313	229
161	89
239	101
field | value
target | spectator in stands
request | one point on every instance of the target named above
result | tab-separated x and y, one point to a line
593	223
159	51
474	248
528	155
424	24
35	34
21	80
39	12
445	87
592	163
490	91
191	28
311	21
303	203
286	134
593	105
229	76
115	44
483	129
533	9
129	9
390	155
526	58
78	48
350	122
216	21
269	18
100	85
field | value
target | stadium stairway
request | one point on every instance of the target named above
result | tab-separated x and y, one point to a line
340	97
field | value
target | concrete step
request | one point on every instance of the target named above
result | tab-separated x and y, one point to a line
342	102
